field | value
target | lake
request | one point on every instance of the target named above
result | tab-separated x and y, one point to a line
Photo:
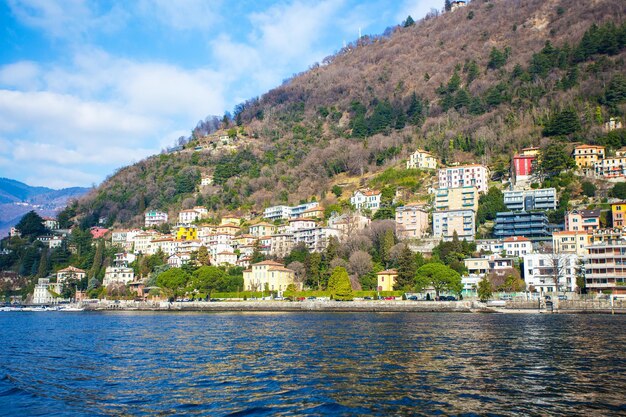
266	364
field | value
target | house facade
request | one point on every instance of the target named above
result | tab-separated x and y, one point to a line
366	199
605	265
421	159
70	273
386	279
411	221
526	200
533	225
462	198
618	211
463	176
269	275
582	220
446	223
542	271
517	246
155	218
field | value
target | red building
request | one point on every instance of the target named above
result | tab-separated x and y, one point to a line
523	166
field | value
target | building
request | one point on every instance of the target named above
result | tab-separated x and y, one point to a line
187	233
517	246
611	167
277	213
262	229
586	156
98	232
612	124
155	218
301	223
226	258
298	211
463	222
462	198
533	225
269	275
605	265
621	151
313	213
543	270
229	219
189	216
523	167
411	221
178	259
571	242
316	239
421	160
490	245
457	4
526	200
582	220
70	273
348	223
47	292
206	181
618	210
366	199
463	176
50	223
387	279
281	244
118	274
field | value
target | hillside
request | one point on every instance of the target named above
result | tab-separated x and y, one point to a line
473	85
17	198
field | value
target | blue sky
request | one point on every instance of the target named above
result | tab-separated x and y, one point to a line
87	87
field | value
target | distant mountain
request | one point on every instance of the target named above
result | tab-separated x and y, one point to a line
17	198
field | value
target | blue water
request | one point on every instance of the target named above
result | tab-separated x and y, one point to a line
243	364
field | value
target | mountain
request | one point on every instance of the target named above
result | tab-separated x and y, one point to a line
473	85
17	198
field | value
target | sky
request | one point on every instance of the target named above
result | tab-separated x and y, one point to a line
87	87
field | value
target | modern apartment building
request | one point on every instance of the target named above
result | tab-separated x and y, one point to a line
463	176
411	221
539	199
463	222
605	265
533	225
582	220
461	198
155	218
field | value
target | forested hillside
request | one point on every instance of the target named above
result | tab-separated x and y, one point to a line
476	84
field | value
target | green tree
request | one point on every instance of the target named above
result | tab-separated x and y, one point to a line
42	270
97	259
440	277
555	159
337	190
485	290
386	244
408	22
314	270
339	285
618	190
257	255
406	270
564	122
497	58
203	256
589	189
489	204
31	225
173	279
206	279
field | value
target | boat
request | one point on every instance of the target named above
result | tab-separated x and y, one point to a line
71	308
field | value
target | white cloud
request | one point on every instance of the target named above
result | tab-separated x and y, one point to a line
24	75
182	14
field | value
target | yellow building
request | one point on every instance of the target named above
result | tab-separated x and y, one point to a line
531	151
618	210
314	213
387	279
269	275
587	155
187	233
262	229
228	219
571	242
460	198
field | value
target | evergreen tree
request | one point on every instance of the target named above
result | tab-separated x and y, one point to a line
97	259
339	285
203	256
489	204
406	270
485	289
257	255
408	22
415	112
555	159
447	6
440	277
497	59
31	225
386	244
42	270
564	122
314	271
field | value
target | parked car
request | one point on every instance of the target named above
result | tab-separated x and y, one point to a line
389	298
562	297
367	298
412	297
311	298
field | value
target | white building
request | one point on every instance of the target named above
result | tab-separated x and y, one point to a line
70	273
301	223
316	238
348	223
298	211
118	274
490	245
188	216
178	259
366	199
463	176
277	213
155	218
47	292
539	199
226	258
281	244
421	160
517	246
463	222
540	270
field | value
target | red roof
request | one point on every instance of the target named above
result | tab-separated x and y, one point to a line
517	239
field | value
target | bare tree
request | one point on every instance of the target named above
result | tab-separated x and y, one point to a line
360	263
299	270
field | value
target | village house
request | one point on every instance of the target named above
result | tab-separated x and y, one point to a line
155	218
118	274
47	292
568	241
277	213
613	124
98	232
490	245
262	229
186	217
230	219
421	159
586	156
124	258
611	167
411	221
297	211
167	245
269	275
301	223
618	211
386	279
457	4
228	229
366	199
582	220
348	223
522	168
517	246
178	259
463	176
226	258
50	223
316	239
70	273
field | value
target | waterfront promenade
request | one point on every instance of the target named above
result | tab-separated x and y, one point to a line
570	307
